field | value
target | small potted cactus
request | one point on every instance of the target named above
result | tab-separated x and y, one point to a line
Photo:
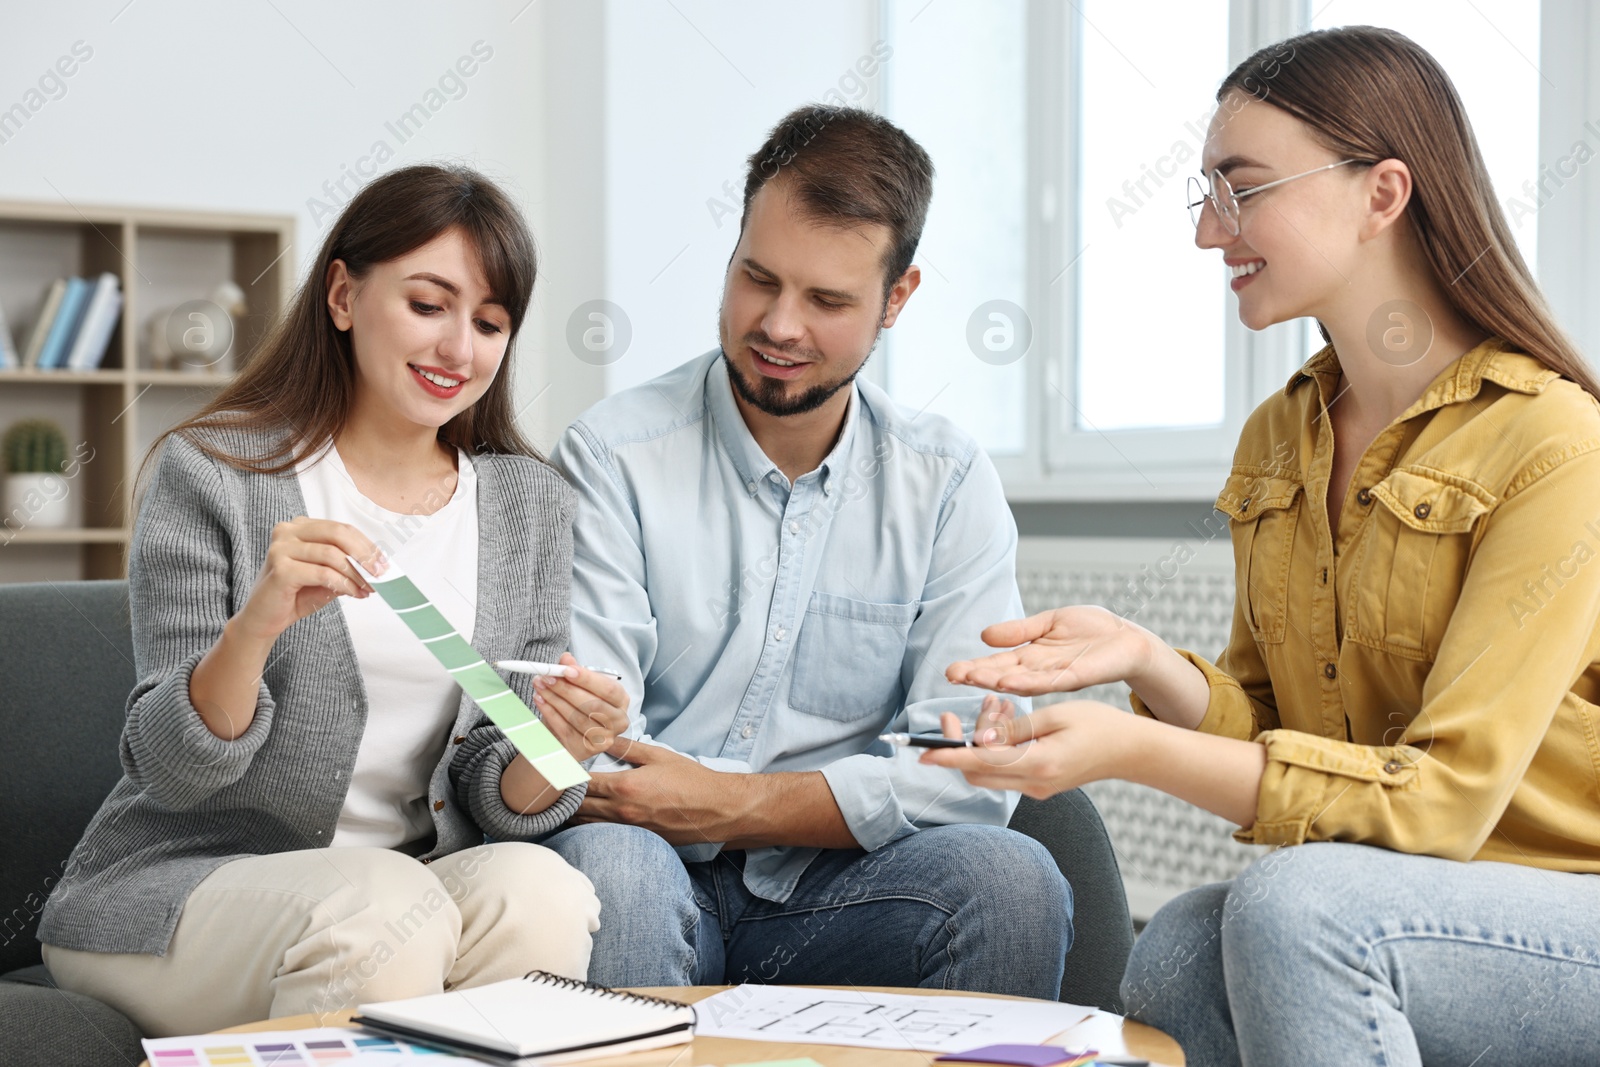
35	454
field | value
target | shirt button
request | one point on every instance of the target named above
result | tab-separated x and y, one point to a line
1364	497
1421	510
438	805
748	732
1393	767
794	527
750	486
458	740
426	860
1330	670
779	634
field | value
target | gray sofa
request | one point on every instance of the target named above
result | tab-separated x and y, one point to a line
66	667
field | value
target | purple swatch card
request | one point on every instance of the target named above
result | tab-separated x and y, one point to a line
1019	1055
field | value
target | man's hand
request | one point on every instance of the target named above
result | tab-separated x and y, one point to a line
689	804
672	795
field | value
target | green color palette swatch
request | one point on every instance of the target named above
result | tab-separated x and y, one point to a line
480	681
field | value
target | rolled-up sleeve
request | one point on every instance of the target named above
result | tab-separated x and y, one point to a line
179	593
478	764
1241	703
971	584
1488	701
1231	710
482	759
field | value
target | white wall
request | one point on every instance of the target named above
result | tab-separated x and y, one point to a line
253	107
693	88
621	126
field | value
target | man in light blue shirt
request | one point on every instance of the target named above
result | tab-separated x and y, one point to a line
781	563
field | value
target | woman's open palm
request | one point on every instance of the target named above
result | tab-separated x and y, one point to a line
1058	651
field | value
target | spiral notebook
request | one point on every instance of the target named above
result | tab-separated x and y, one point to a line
537	1019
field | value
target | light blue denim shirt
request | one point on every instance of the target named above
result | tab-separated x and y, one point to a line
763	626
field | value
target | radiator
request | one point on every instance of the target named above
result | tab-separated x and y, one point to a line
1182	589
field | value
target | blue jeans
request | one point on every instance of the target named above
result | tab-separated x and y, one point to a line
1350	954
978	908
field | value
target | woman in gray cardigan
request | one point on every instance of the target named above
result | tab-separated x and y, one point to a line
301	825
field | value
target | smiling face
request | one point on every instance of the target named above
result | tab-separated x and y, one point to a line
1299	244
427	333
802	304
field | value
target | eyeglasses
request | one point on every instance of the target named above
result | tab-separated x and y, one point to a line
1226	201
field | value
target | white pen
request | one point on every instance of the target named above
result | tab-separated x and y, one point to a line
558	670
924	741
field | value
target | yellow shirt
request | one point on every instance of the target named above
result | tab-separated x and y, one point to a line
1426	680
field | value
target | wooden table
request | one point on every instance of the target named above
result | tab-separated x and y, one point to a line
1110	1034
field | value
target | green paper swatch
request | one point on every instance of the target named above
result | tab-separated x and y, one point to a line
480	681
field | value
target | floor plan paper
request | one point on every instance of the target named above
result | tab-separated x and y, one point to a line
880	1020
473	674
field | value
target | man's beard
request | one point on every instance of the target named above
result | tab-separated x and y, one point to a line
768	395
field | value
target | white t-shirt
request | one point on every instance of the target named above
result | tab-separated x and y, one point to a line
411	701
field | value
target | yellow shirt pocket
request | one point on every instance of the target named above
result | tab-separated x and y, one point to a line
1412	560
1264	512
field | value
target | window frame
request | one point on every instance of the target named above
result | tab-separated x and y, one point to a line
1060	462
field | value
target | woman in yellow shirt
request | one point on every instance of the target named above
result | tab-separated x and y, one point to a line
1412	677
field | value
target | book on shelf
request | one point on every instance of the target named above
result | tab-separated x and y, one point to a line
99	320
41	325
68	317
75	325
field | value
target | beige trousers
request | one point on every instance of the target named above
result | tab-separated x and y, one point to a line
332	928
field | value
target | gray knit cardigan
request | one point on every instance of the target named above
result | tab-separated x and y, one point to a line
190	801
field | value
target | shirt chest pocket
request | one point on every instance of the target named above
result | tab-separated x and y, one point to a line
848	657
1264	512
1412	559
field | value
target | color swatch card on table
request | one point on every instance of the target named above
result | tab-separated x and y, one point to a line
473	673
291	1048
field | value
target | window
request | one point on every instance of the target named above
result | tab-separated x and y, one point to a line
1150	307
957	82
1064	135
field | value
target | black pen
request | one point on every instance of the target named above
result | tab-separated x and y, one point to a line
924	741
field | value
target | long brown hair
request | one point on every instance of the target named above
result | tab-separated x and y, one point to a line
1372	94
302	379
